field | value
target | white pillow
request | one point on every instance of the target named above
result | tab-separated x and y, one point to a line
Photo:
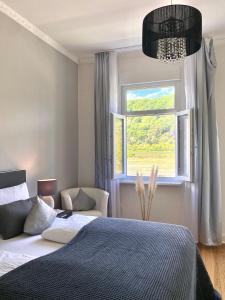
14	193
64	230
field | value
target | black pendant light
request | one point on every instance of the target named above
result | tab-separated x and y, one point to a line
172	32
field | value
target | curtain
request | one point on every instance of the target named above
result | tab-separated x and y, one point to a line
205	191
106	102
191	188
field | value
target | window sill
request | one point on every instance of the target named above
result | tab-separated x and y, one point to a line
160	182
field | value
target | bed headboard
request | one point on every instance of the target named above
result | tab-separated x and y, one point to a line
11	178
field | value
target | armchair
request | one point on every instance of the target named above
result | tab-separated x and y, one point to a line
100	196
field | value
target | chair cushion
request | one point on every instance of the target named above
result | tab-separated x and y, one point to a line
94	213
83	202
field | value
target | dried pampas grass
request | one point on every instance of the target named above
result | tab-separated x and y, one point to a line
146	202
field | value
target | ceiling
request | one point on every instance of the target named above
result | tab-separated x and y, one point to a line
87	26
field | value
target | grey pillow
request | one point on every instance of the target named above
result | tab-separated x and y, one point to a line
83	202
40	218
13	216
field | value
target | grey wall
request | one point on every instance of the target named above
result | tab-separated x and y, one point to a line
38	107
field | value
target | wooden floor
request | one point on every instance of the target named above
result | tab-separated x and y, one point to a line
214	259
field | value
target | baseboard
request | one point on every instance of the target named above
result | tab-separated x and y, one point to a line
223	240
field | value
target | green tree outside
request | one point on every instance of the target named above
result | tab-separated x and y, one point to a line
151	139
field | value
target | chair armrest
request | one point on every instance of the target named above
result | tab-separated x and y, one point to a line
102	204
66	200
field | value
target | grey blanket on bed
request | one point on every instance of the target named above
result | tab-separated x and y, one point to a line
119	260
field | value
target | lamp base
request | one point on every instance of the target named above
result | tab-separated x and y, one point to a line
49	200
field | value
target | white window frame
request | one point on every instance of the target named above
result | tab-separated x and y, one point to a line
151	85
115	116
190	153
176	111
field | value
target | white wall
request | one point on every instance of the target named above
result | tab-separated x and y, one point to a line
133	68
170	204
86	129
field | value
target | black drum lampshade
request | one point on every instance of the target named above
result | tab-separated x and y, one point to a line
170	33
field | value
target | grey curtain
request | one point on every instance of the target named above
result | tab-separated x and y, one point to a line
106	99
200	94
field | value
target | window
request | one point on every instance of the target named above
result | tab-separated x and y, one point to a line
119	145
151	131
151	141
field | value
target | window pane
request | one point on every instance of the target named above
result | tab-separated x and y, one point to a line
151	141
150	99
119	145
184	144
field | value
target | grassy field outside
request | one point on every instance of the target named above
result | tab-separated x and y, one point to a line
143	162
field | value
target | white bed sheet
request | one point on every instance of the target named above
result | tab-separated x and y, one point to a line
30	245
10	261
38	246
21	249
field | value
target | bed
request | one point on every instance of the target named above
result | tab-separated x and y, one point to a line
108	259
22	248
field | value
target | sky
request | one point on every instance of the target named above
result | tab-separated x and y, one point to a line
150	93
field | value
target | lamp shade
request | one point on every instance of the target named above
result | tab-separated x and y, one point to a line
47	187
172	32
